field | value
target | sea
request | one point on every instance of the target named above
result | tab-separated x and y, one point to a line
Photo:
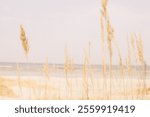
55	70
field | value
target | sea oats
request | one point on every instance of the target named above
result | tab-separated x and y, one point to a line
104	8
24	40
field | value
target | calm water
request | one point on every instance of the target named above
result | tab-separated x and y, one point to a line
56	70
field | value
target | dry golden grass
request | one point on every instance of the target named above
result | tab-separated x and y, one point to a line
86	86
19	79
66	65
24	40
46	69
85	92
143	67
103	33
46	73
106	26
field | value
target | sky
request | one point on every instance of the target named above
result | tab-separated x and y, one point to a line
52	24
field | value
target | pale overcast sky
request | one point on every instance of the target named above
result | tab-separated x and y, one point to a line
50	24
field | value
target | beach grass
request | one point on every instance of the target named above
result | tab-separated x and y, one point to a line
129	80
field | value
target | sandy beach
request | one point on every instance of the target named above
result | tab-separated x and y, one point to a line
39	88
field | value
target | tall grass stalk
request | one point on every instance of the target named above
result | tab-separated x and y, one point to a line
85	79
90	70
19	79
46	73
46	69
134	53
140	50
67	69
66	65
25	46
103	24
121	67
129	67
110	36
